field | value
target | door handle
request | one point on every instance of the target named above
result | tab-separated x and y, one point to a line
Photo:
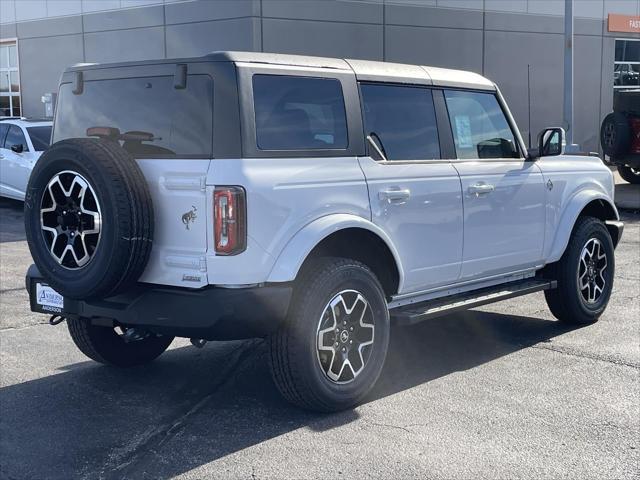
394	195
481	189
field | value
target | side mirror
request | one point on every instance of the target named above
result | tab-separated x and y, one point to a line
551	142
17	148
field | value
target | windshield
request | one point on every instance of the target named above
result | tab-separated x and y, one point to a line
40	137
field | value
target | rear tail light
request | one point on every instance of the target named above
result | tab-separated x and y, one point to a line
229	220
635	135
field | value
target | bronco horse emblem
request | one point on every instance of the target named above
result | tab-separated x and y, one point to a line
189	217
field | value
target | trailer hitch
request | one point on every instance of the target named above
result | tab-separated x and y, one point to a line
56	319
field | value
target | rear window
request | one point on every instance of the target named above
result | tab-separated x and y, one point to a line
40	137
299	113
161	121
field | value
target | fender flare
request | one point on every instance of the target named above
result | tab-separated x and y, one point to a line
572	211
297	250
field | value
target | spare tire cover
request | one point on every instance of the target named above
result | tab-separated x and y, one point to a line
88	218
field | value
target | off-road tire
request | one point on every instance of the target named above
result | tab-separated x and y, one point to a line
615	134
566	302
127	217
295	365
105	345
630	175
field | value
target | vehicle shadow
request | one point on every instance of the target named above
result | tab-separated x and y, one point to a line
192	406
11	220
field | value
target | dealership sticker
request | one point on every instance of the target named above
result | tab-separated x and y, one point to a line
463	131
48	298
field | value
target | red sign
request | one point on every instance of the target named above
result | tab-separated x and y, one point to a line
624	23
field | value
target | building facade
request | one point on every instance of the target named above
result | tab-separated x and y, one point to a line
517	43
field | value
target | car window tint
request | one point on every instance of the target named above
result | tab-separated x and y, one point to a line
40	137
299	113
152	118
15	137
4	128
404	120
480	128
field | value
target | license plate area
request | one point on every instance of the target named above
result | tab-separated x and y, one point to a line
45	299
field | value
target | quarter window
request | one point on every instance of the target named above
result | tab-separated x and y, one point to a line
404	120
480	128
299	113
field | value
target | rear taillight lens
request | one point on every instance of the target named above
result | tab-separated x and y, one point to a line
635	135
229	220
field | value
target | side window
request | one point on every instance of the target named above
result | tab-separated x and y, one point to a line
299	113
15	137
404	120
480	129
4	128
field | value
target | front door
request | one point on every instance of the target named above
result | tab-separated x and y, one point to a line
415	196
503	193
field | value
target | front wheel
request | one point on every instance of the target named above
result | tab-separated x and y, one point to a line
631	175
106	345
584	273
331	350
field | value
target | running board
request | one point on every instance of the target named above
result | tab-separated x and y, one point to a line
417	312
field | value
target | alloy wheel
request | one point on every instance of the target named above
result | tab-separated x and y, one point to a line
70	219
345	336
593	263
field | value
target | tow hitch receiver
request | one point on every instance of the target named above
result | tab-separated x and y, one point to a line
56	319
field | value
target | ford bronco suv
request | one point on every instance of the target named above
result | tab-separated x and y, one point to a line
620	135
315	202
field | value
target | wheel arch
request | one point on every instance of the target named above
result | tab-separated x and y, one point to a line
342	235
585	203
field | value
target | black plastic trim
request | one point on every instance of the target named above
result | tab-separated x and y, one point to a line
210	313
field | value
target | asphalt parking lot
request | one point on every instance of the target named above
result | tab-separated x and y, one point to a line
500	392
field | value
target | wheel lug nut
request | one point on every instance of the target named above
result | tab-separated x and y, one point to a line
350	342
335	344
351	329
344	350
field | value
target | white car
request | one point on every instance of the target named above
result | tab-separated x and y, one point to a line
22	141
312	201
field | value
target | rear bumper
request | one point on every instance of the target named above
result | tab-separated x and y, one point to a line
210	313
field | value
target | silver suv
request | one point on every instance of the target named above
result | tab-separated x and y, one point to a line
313	201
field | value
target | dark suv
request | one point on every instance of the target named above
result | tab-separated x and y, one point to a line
620	135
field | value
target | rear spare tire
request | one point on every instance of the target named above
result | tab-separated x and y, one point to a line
615	134
88	218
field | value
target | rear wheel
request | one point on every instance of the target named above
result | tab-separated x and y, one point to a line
107	345
332	348
584	274
631	175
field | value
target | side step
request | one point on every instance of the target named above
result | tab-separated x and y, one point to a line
417	312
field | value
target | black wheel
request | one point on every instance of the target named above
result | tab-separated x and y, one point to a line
584	273
332	348
631	175
88	218
106	345
615	134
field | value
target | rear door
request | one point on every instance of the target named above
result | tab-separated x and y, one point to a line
503	193
414	195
